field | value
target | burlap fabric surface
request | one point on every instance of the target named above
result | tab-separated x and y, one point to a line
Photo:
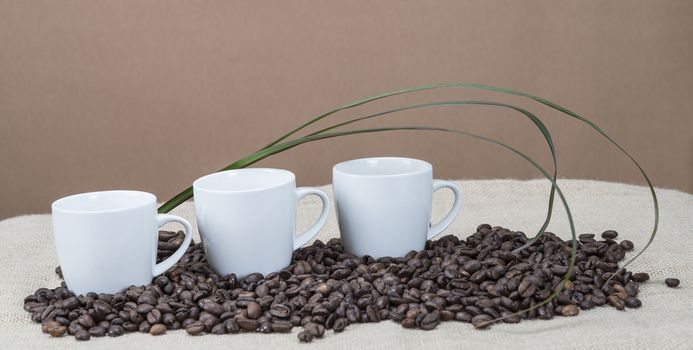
665	321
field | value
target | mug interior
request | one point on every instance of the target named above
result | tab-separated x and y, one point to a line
251	179
383	166
104	201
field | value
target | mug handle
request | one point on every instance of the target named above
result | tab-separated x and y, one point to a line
308	234
436	229
171	260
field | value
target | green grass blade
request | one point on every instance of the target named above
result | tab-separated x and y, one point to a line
510	92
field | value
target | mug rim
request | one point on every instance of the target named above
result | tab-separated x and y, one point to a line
197	184
426	167
147	199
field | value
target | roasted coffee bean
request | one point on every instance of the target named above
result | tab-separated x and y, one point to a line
632	302
280	310
609	234
254	310
640	277
144	308
214	308
219	329
429	321
196	328
248	324
627	245
82	334
280	326
154	316
570	310
157	329
97	331
231	326
340	324
316	329
481	321
86	321
463	316
55	329
305	336
672	282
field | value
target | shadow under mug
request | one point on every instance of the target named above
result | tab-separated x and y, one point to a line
107	241
384	205
247	219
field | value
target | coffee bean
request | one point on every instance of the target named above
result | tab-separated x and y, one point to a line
429	321
254	310
480	321
82	334
609	234
305	337
144	308
672	282
154	316
231	326
632	302
570	310
219	329
627	245
340	324
248	324
157	329
55	329
86	321
97	331
640	277
195	328
213	308
279	326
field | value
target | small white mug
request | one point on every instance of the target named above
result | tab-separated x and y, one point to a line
107	241
384	205
247	219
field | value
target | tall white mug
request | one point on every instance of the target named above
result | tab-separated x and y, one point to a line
247	219
107	241
384	205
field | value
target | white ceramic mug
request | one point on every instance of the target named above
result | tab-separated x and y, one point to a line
384	205
247	219
107	241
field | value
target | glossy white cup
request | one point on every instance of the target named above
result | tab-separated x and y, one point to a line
384	205
107	241
247	219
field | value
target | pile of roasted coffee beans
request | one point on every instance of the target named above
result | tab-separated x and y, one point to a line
475	280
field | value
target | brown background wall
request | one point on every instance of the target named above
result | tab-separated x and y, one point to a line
152	94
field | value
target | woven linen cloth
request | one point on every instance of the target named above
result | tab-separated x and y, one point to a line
665	320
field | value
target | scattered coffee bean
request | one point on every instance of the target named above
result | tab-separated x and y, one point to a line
640	277
195	328
157	329
609	234
672	282
248	324
632	302
305	336
82	334
115	331
627	245
55	329
254	310
475	280
570	310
